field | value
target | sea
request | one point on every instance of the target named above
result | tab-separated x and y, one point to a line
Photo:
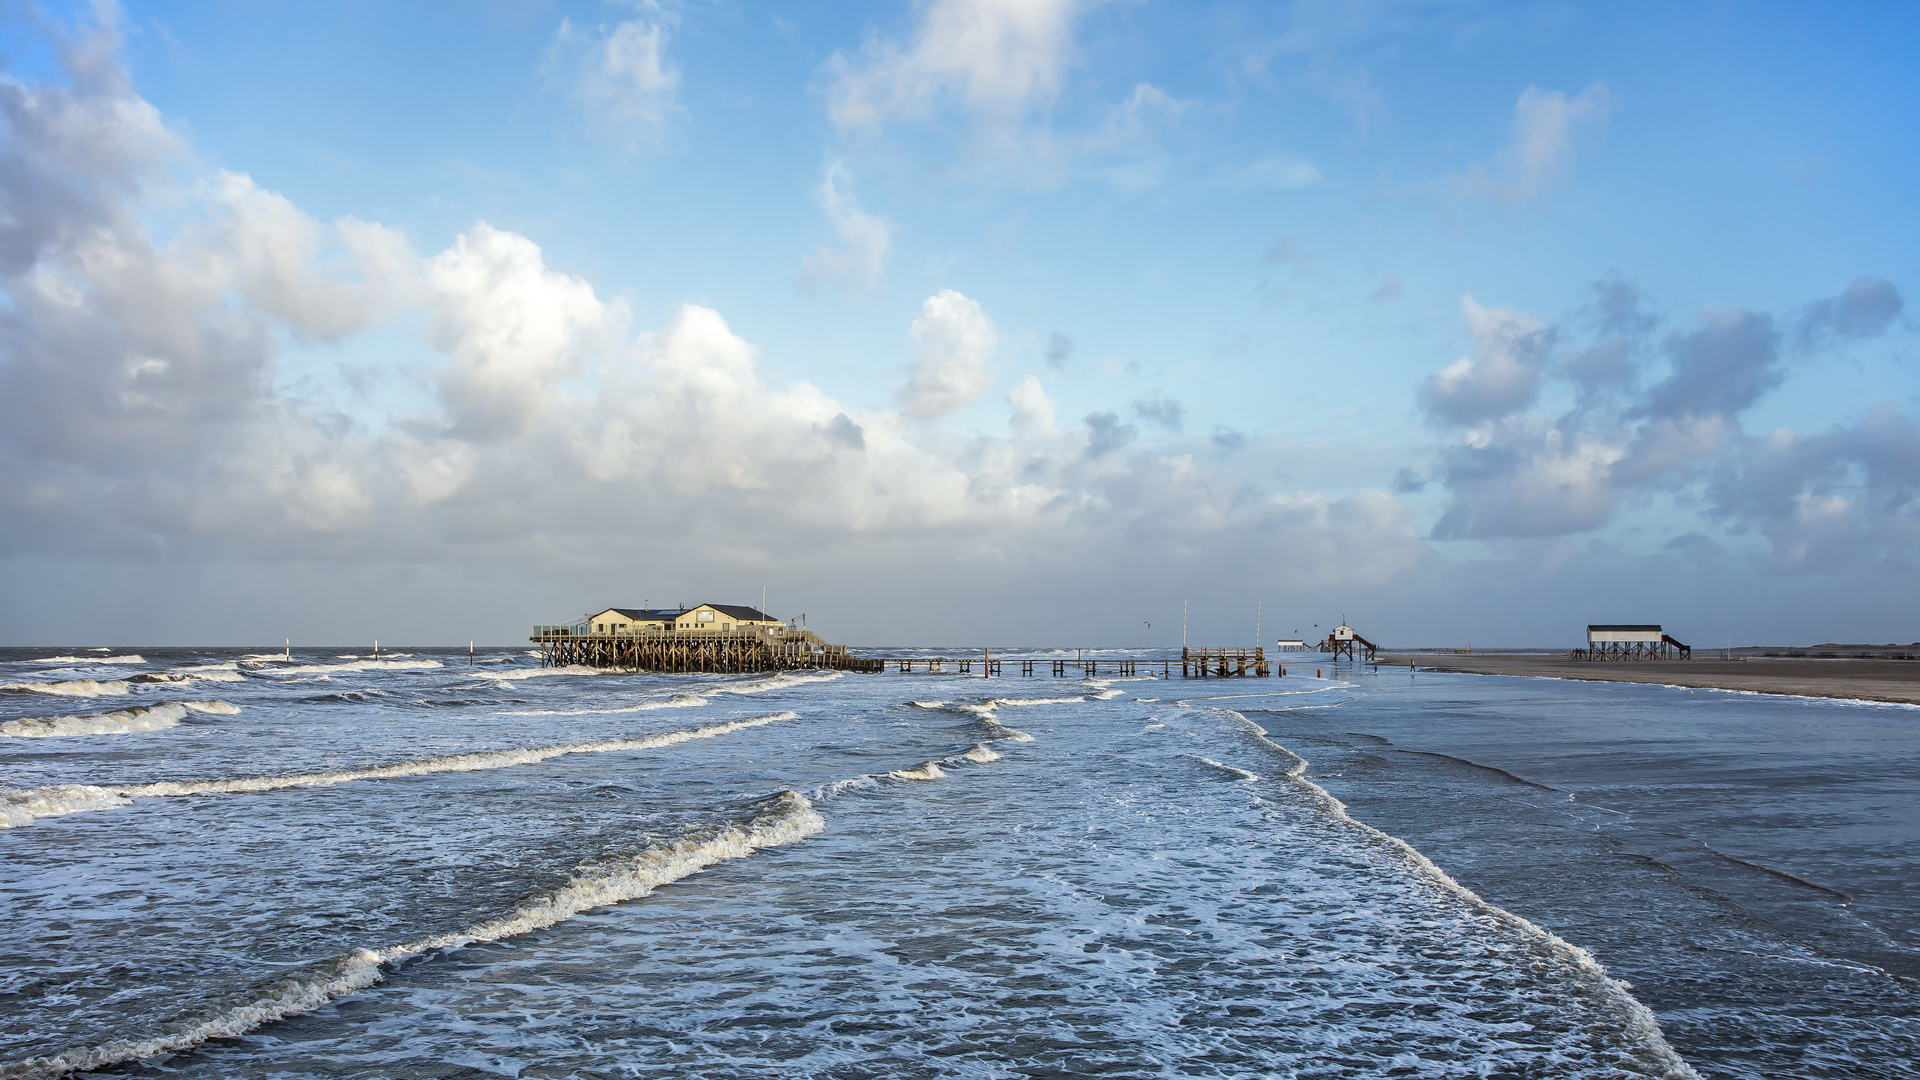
319	863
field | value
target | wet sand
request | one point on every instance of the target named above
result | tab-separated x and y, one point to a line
1869	680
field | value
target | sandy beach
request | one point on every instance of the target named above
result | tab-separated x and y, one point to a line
1867	680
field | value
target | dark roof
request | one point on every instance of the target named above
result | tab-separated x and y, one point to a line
739	611
736	611
1649	627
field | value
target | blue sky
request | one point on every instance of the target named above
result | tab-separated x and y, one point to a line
1469	321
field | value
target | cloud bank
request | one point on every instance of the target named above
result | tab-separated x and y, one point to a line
145	405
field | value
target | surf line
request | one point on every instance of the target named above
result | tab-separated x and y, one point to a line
785	818
22	806
1638	1019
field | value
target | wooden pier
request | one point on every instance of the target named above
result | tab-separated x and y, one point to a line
1206	663
989	666
738	652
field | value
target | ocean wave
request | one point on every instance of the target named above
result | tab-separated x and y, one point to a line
785	818
535	673
479	761
70	688
1231	770
356	665
981	753
22	805
130	658
677	701
1635	1017
782	681
157	717
929	771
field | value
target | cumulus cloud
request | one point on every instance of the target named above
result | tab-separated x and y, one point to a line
1106	434
142	406
994	71
1849	496
1162	410
1660	413
1864	309
619	74
1544	123
1033	411
1724	363
512	327
864	237
955	344
1059	350
1502	376
1001	58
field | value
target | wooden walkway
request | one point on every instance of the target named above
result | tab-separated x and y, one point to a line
790	650
1195	663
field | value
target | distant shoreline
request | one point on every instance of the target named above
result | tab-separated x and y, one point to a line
1895	681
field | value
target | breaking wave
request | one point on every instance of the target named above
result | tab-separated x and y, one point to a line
534	673
1231	770
677	701
158	717
785	818
22	805
23	801
1635	1016
356	665
929	771
70	688
130	658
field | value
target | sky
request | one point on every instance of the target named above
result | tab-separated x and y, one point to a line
959	322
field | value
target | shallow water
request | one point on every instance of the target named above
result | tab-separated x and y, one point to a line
421	868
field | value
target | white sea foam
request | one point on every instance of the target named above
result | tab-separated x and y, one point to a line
474	762
781	681
1231	770
929	771
356	665
928	704
981	753
1273	693
22	805
517	674
70	688
786	818
1635	1016
130	658
1009	733
677	701
157	717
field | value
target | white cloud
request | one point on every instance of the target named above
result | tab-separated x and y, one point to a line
864	237
619	74
1033	411
1503	374
1543	128
955	343
142	410
512	327
1001	58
